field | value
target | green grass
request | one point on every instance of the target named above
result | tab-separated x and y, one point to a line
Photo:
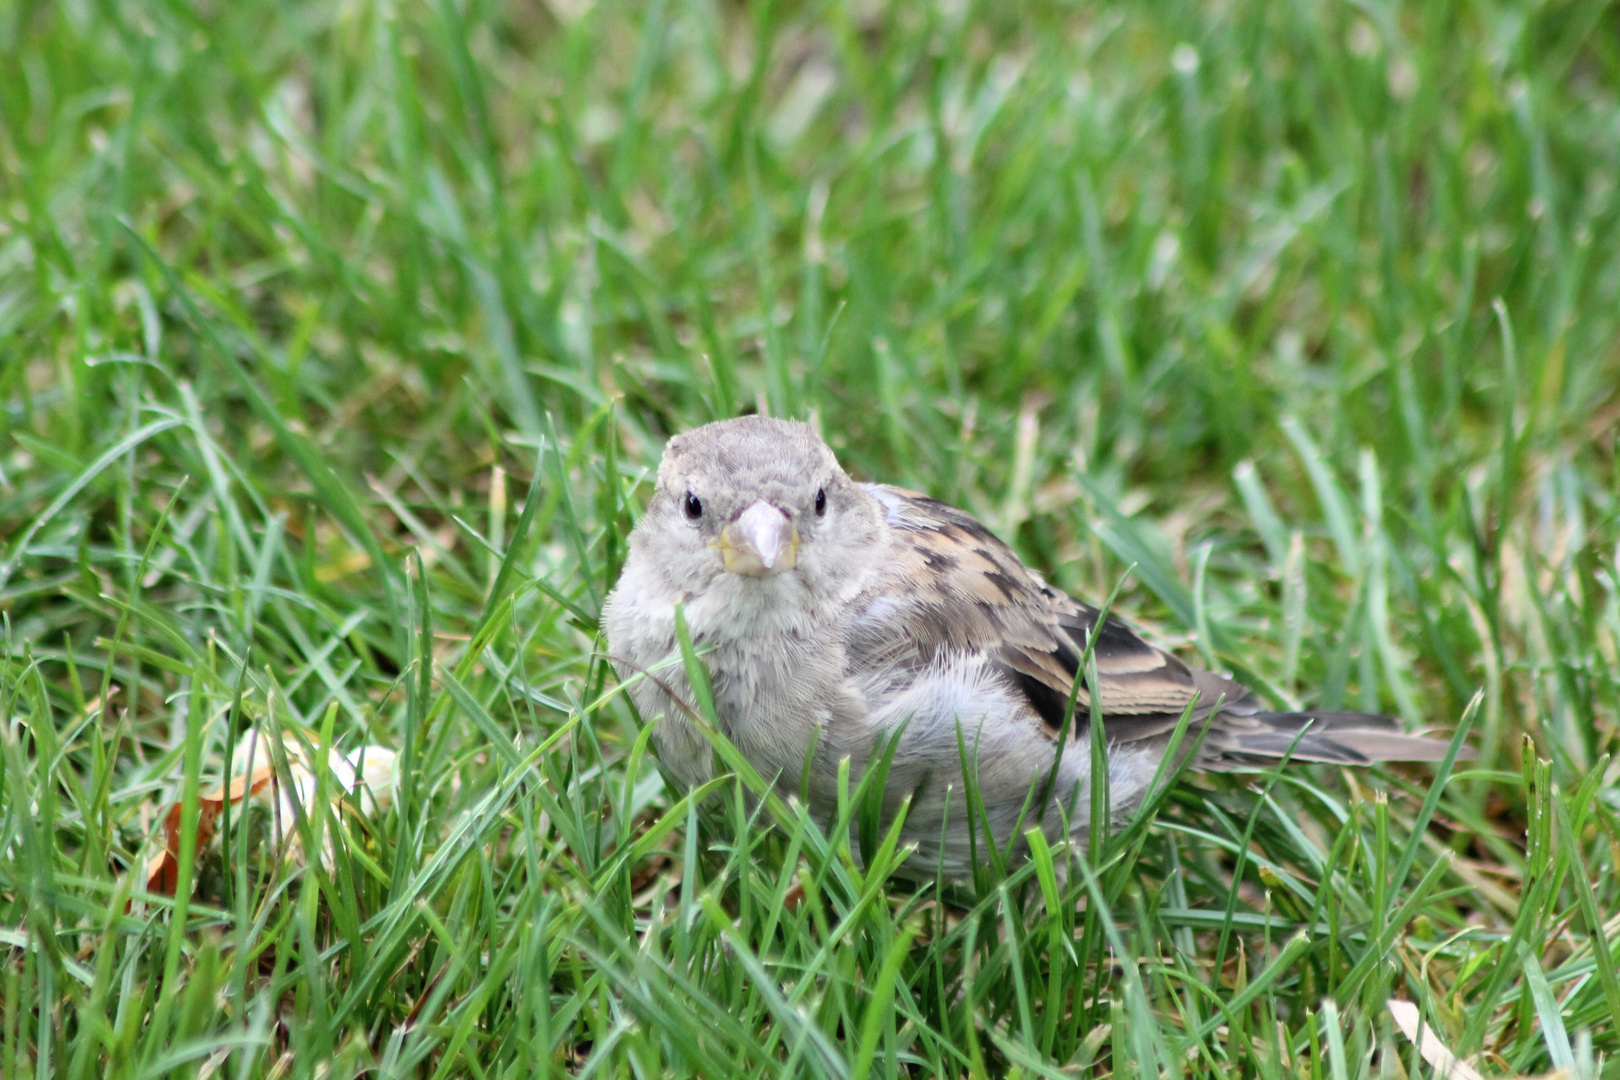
337	341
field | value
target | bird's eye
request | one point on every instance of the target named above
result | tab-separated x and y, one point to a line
821	502
693	506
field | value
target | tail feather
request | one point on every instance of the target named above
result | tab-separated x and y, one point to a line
1334	737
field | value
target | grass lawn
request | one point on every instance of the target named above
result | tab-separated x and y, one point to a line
337	342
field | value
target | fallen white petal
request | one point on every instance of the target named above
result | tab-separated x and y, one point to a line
379	771
1435	1052
376	779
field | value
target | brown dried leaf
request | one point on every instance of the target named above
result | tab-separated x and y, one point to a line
163	870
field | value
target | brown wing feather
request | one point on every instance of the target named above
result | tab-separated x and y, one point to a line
982	598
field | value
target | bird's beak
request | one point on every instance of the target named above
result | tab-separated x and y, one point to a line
762	541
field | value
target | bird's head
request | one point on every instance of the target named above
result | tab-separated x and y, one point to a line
756	505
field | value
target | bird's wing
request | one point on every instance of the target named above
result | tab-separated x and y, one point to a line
960	590
953	588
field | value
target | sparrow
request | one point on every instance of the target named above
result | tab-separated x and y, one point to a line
839	619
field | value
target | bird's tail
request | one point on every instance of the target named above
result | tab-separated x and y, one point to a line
1336	737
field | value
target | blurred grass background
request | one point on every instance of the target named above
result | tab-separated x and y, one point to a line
337	341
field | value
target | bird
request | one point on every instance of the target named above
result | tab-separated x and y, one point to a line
837	619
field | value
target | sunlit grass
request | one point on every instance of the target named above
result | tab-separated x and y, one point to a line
338	341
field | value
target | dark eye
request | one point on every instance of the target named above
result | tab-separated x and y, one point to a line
821	502
693	506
